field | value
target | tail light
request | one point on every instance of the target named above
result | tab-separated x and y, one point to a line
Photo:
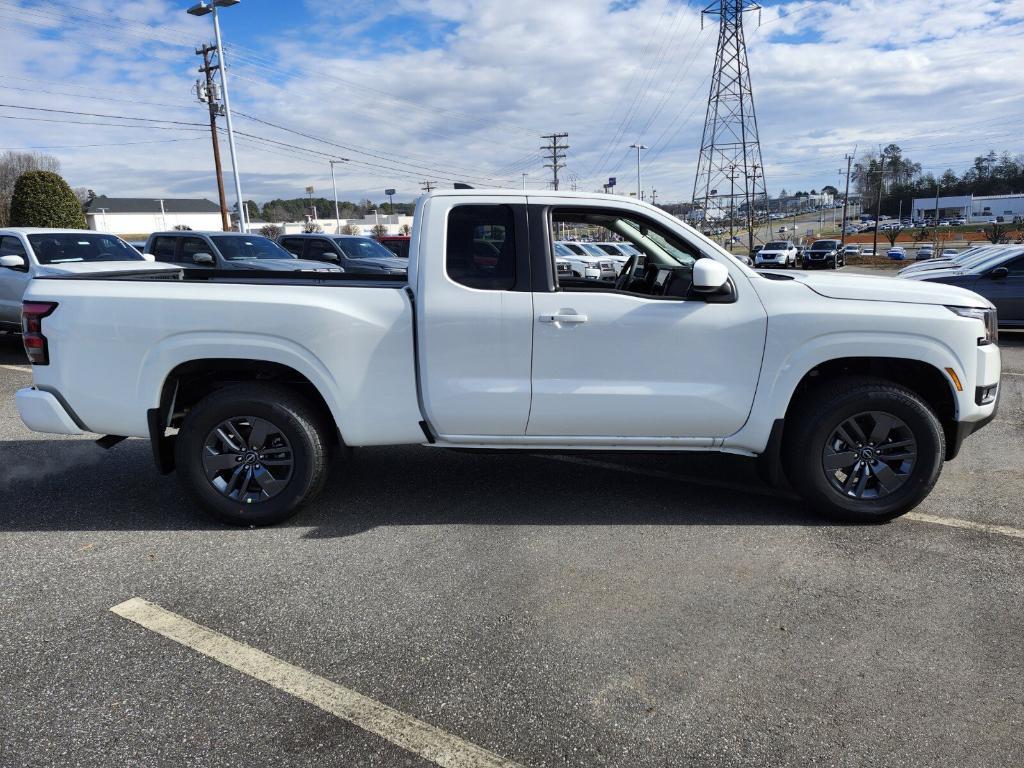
32	314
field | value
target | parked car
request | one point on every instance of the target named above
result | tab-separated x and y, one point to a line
852	249
578	266
867	250
924	253
959	222
27	253
397	244
227	251
949	253
896	253
966	258
777	253
589	262
138	245
353	253
825	253
999	278
247	387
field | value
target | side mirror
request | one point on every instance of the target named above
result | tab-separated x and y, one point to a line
999	273
203	258
148	257
12	262
709	276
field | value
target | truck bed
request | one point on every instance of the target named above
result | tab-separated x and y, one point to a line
115	339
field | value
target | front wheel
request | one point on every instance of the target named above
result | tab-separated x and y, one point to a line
253	454
864	450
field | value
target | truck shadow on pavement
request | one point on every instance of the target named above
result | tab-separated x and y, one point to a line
52	485
11	350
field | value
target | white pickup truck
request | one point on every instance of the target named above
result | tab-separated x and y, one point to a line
856	389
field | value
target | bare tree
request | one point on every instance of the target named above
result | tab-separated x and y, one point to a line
997	233
272	231
921	235
312	228
892	234
12	166
348	229
405	229
379	230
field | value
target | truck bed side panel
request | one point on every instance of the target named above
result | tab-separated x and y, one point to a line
113	343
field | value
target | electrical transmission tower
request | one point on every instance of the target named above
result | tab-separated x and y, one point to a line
730	174
556	152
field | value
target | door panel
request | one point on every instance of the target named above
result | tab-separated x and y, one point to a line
475	317
636	367
633	365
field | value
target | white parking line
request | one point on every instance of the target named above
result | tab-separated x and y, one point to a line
17	368
956	522
405	731
921	517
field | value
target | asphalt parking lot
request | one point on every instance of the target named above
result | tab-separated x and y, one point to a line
553	611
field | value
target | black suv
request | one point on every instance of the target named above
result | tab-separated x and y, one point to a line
353	253
825	253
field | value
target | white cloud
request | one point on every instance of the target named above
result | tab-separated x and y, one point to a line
471	98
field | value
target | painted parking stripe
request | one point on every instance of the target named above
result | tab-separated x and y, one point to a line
921	517
956	522
17	368
405	731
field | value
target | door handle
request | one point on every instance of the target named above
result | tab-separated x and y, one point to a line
564	317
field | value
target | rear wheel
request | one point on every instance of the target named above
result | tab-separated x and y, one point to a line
864	450
253	454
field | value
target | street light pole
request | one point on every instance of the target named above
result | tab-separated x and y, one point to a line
639	188
334	183
201	9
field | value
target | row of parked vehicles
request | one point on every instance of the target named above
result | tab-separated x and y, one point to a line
822	254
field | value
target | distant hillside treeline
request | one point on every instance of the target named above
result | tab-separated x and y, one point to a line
297	208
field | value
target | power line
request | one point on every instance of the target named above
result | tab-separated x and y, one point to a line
97	114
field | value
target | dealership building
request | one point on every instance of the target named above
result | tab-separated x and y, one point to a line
978	209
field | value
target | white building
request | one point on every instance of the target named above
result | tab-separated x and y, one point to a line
142	215
394	225
979	209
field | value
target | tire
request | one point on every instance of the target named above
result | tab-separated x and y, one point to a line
295	449
813	455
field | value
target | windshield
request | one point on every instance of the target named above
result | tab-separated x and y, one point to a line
609	249
575	248
235	248
991	260
363	248
592	250
778	245
563	250
67	247
824	245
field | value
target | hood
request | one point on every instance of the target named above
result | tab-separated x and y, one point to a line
96	267
283	265
871	288
390	264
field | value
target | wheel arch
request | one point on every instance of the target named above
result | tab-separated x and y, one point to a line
924	379
921	377
190	381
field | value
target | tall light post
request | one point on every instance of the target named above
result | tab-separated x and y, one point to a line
334	183
639	190
201	9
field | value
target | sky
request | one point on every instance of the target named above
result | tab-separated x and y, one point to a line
462	90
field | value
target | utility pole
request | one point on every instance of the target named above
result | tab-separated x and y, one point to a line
846	197
936	221
654	197
524	181
209	94
555	152
427	186
639	188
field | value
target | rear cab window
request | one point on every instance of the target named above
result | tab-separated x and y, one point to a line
481	247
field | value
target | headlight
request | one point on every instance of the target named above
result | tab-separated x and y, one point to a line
987	317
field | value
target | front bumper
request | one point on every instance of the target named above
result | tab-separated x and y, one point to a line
42	412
